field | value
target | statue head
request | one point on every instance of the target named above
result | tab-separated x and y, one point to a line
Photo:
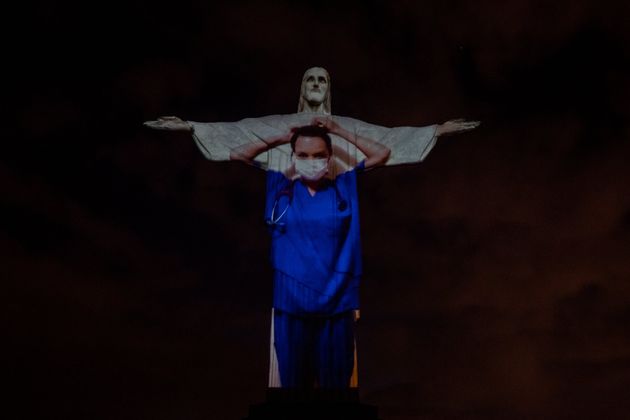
315	91
312	131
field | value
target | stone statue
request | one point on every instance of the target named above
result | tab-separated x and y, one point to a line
312	159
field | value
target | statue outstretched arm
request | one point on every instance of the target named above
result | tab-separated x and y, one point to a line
250	140
170	123
408	145
456	126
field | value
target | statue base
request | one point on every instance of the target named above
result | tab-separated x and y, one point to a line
312	404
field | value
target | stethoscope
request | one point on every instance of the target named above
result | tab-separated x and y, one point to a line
275	221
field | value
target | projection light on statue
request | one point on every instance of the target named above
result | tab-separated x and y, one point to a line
312	210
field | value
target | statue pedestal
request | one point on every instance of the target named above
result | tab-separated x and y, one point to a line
313	404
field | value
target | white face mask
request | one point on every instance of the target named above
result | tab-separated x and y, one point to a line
311	169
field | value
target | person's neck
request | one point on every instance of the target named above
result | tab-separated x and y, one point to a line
314	186
315	107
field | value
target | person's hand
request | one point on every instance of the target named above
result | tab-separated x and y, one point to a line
456	126
281	139
169	123
328	123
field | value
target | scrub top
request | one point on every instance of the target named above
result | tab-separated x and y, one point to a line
315	249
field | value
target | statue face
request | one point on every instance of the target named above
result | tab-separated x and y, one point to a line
315	85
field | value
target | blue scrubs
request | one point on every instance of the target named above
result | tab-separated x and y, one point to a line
314	351
315	249
316	256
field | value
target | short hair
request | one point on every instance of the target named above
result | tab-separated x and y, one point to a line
312	131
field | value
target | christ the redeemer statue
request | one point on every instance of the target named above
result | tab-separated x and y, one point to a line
312	159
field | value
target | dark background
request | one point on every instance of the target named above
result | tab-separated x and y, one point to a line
497	280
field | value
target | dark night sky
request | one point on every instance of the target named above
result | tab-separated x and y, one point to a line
497	280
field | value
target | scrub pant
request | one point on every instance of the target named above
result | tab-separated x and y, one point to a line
314	351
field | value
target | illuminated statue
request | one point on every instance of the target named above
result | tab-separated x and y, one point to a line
312	159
